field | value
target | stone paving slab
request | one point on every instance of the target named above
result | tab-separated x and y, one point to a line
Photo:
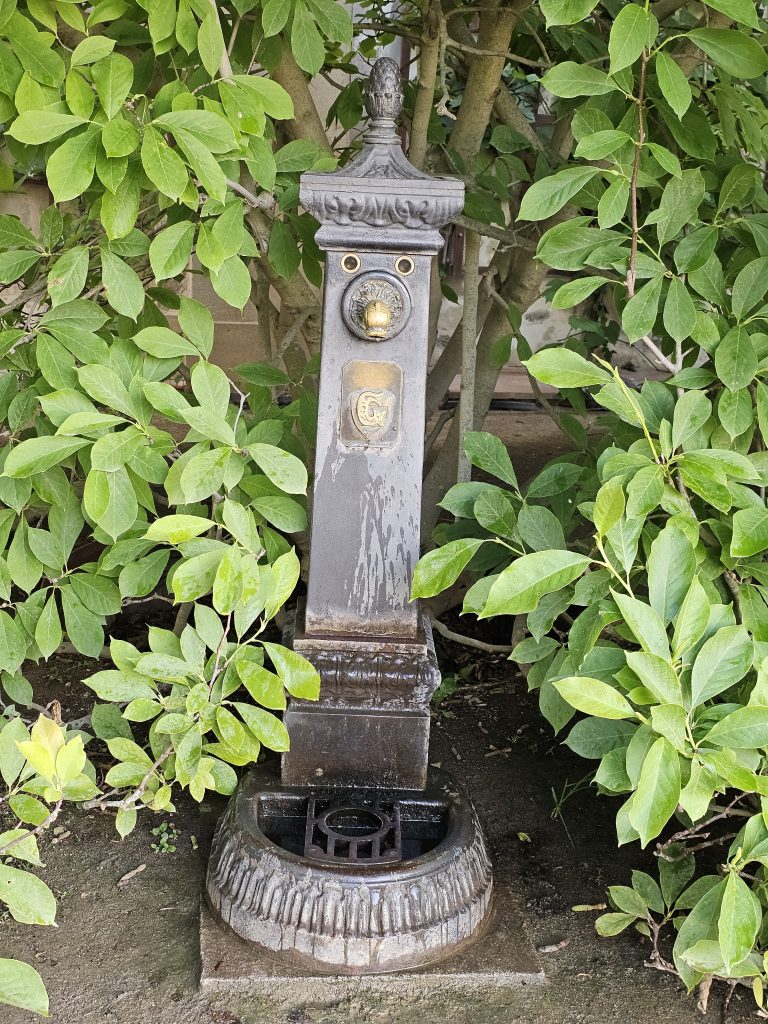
502	957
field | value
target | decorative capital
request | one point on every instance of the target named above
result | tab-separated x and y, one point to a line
384	92
379	200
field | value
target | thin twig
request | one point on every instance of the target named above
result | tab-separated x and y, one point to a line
265	201
633	180
468	348
35	831
468	641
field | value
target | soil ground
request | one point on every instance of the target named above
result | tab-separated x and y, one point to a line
126	952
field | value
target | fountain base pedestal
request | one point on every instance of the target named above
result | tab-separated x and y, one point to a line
351	881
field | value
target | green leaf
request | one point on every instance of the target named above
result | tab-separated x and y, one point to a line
263	375
569	79
679	203
33	50
28	898
232	282
611	207
176	529
208	128
21	986
740	917
170	250
733	51
91	49
640	312
679	311
673	83
210	43
163	166
692	411
490	454
701	923
549	195
658	790
521	585
750	287
306	42
70	168
667	160
283	252
750	532
283	469
163	343
110	501
66	278
298	675
657	675
28	809
122	285
565	12
440	568
14	264
333	20
736	359
746	727
575	292
692	619
113	79
119	138
645	623
37	454
609	506
563	368
274	15
742	11
671	567
204	474
34	127
267	728
125	821
276	102
632	31
723	661
13	234
644	491
594	697
612	924
264	686
48	633
601	143
538	527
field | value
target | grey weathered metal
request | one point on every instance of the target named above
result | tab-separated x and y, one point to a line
362	749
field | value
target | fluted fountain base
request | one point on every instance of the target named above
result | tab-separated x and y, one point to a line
352	881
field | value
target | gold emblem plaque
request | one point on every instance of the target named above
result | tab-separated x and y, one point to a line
371	395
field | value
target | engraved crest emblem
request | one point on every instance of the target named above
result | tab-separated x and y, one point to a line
372	412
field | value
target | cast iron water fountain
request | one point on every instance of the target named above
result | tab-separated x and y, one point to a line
361	857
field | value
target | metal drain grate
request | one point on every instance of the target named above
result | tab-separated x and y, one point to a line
363	833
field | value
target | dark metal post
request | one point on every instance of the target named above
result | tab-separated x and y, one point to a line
380	220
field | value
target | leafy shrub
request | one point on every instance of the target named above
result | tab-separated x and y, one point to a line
133	469
650	619
638	561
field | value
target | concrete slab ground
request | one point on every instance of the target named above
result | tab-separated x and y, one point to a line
501	958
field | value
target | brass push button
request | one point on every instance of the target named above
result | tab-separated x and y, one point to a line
378	319
376	305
